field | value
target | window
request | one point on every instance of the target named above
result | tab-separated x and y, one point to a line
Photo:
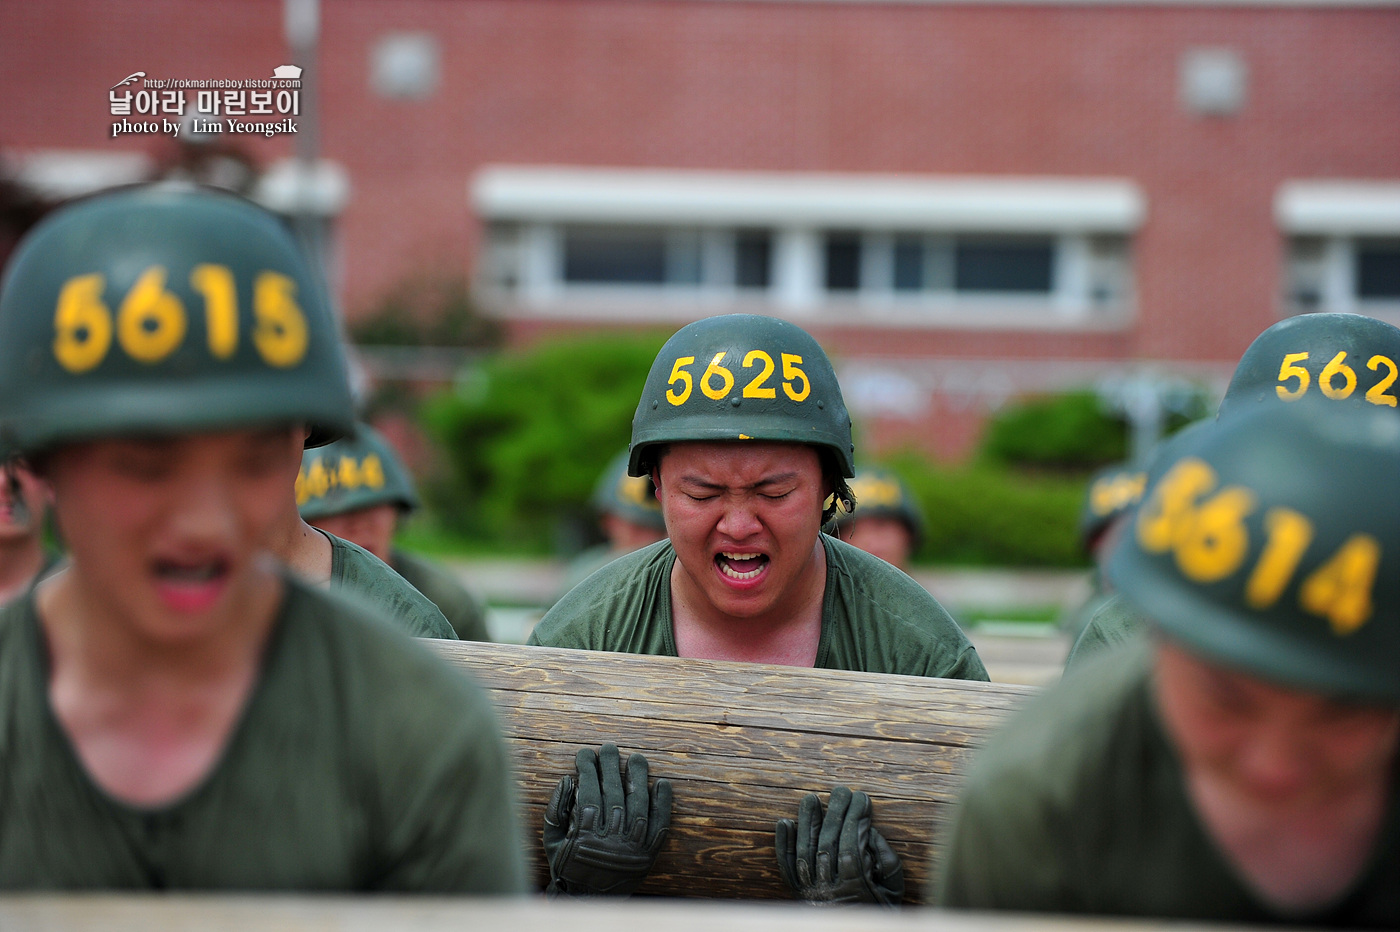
600	256
842	262
1091	273
753	258
1342	273
1378	270
896	250
637	257
1342	247
1003	265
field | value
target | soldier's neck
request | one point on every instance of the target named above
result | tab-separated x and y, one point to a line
788	633
305	550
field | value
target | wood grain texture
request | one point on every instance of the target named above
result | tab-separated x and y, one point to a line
741	744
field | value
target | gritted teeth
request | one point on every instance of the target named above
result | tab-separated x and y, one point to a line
737	565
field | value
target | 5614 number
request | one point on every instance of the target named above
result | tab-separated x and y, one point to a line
1209	541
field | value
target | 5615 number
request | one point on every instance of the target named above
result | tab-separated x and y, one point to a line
151	322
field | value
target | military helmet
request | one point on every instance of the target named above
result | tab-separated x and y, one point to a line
741	377
628	497
162	308
1113	491
1270	542
1337	357
880	493
358	471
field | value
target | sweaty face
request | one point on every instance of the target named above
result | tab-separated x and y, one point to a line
886	538
372	528
164	532
744	519
1265	748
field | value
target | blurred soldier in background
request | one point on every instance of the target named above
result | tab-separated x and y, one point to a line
1243	764
357	489
1344	360
176	711
742	428
23	558
1113	492
887	521
628	515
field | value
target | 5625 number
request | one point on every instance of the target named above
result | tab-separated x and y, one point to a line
717	381
1337	380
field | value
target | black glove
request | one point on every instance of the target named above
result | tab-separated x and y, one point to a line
840	858
602	839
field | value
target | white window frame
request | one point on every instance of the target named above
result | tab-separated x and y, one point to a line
1341	213
799	209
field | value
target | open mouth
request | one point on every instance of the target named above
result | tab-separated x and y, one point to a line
739	565
191	585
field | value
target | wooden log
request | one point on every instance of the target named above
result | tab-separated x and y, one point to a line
741	744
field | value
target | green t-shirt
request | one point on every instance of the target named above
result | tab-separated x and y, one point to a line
874	618
1078	805
459	606
1113	624
360	763
361	576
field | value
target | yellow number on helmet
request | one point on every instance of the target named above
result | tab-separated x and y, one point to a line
280	332
82	324
151	321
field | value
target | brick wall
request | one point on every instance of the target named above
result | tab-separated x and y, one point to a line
863	87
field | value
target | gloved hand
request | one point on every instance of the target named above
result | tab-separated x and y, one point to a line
599	838
839	858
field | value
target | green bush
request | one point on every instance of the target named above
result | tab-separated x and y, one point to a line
527	434
1063	431
988	514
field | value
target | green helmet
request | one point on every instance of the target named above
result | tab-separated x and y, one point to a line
1113	491
1339	357
879	493
741	377
1270	542
358	471
628	497
164	308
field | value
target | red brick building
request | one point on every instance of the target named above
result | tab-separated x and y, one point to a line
962	200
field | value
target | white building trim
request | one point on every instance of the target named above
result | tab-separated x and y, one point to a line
60	174
1339	208
808	200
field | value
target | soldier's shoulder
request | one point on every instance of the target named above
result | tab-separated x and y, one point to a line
592	603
